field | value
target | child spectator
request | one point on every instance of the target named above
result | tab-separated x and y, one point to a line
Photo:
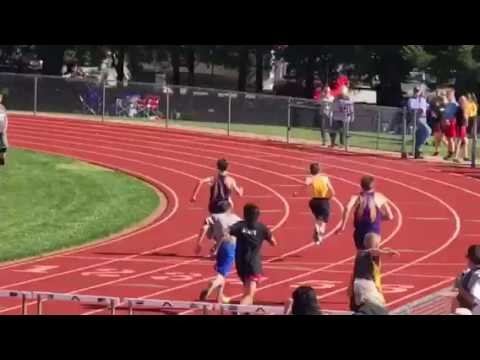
468	282
303	302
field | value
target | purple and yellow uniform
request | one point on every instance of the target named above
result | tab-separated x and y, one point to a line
363	223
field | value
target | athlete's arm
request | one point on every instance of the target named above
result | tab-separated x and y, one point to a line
306	184
201	236
199	186
234	186
269	237
346	213
384	251
330	188
385	209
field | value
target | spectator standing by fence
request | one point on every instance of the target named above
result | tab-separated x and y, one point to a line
472	113
434	117
461	142
325	112
417	106
342	114
450	122
3	131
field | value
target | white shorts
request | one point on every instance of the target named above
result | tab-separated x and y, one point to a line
366	290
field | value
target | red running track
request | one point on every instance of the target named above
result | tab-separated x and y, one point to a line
435	218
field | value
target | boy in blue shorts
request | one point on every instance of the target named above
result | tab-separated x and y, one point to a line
217	227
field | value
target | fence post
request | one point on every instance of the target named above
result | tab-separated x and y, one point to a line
229	120
289	120
112	307
167	110
35	94
404	133
130	308
24	305
103	100
474	143
378	129
39	305
414	132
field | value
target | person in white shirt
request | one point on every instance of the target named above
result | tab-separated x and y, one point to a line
418	105
342	113
325	113
3	132
468	283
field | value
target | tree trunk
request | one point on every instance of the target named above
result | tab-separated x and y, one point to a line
175	59
309	78
258	70
121	62
390	88
242	68
53	57
191	66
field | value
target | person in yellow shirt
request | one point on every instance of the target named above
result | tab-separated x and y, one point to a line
322	192
471	113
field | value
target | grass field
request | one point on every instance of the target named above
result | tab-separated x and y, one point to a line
50	203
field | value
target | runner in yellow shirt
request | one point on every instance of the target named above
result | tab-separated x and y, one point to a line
322	192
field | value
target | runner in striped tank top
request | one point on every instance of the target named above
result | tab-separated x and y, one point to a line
370	208
322	192
221	187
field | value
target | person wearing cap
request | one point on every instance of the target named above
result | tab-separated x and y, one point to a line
468	282
418	104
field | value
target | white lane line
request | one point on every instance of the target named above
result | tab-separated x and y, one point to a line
403	298
270	211
288	185
473	220
428	218
349	272
258	196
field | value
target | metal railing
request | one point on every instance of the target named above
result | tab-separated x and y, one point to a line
280	118
439	303
131	305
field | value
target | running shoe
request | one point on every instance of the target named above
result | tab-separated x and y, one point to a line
448	157
457	161
436	153
466	159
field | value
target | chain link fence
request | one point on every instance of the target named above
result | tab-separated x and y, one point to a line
276	117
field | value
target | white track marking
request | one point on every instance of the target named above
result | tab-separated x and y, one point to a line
429	218
403	298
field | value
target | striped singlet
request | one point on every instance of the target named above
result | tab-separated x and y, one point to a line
219	194
363	223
